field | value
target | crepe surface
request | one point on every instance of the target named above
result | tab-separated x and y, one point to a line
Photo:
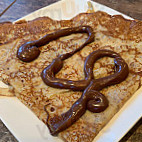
111	32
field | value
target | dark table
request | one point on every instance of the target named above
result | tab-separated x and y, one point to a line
21	8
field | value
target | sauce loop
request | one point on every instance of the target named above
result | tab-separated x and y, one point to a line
29	51
91	98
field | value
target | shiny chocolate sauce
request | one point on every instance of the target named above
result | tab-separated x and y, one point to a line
91	98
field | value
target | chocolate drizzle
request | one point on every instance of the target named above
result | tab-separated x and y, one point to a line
29	51
91	98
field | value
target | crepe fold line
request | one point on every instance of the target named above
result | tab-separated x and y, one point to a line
111	32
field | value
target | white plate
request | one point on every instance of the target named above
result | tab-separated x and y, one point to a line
26	127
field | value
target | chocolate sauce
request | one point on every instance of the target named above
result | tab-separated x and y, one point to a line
29	51
91	98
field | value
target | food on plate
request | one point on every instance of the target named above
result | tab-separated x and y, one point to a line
91	99
111	34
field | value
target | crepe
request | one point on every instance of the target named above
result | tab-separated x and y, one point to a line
111	32
10	32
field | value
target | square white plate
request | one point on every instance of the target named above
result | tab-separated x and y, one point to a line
26	127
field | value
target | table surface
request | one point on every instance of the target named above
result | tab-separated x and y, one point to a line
21	8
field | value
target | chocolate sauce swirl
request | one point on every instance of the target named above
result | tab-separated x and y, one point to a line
91	98
29	51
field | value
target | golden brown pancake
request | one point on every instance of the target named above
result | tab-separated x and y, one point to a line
10	32
111	32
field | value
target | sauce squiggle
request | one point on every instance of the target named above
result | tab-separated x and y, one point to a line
91	98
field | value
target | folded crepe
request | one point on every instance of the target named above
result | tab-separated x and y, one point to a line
10	32
111	32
